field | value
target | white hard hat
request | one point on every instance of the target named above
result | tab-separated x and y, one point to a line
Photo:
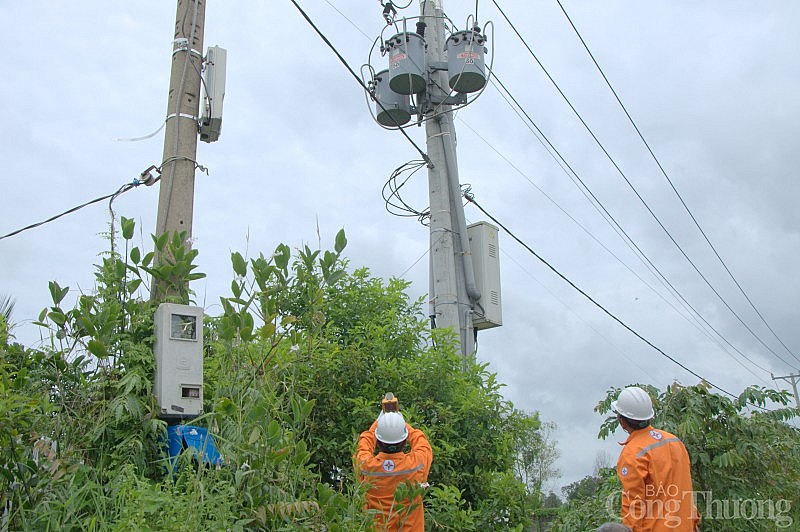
634	403
391	428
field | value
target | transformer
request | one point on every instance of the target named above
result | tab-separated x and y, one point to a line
392	109
465	61
407	63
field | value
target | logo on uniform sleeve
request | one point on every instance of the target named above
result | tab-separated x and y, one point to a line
388	465
656	435
624	471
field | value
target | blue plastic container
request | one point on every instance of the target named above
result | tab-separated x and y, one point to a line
182	437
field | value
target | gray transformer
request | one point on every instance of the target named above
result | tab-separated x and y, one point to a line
465	61
392	109
406	63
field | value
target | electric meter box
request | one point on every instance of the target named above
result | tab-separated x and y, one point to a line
214	87
486	265
178	352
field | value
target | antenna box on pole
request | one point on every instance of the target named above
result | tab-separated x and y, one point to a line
214	88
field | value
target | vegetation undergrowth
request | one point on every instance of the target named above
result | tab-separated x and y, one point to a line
295	366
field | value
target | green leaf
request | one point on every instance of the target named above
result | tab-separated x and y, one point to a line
239	265
236	289
335	276
282	255
341	241
56	292
225	329
134	285
57	317
226	406
87	324
148	258
127	228
267	330
97	348
161	241
246	331
273	431
135	255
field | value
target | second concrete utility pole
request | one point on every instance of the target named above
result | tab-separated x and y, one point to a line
791	379
452	290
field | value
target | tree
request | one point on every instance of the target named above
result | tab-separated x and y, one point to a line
352	338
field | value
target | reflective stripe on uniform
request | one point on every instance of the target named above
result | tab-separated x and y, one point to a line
654	445
391	473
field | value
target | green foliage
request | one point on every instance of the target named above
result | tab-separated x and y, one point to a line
331	343
582	489
295	367
591	502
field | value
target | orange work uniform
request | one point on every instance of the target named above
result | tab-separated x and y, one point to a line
384	471
656	481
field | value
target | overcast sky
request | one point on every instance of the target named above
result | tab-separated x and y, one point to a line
711	85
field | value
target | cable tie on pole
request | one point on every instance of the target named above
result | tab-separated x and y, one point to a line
181	44
181	115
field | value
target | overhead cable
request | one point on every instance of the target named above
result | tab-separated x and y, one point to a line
471	199
121	190
671	184
691	311
636	192
353	73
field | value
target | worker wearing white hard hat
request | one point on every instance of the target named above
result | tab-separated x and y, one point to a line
390	466
654	469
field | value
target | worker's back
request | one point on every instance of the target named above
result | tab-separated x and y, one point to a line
657	484
384	472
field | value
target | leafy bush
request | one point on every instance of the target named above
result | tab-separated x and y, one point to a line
294	370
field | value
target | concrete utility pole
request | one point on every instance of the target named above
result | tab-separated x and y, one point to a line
452	283
176	194
791	379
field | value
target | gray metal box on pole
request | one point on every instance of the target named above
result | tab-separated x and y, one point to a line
178	351
483	240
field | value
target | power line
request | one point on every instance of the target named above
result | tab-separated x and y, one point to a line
353	73
671	184
621	231
471	199
635	191
121	190
348	19
575	313
696	323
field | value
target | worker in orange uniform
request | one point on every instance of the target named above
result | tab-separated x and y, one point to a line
654	470
391	466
